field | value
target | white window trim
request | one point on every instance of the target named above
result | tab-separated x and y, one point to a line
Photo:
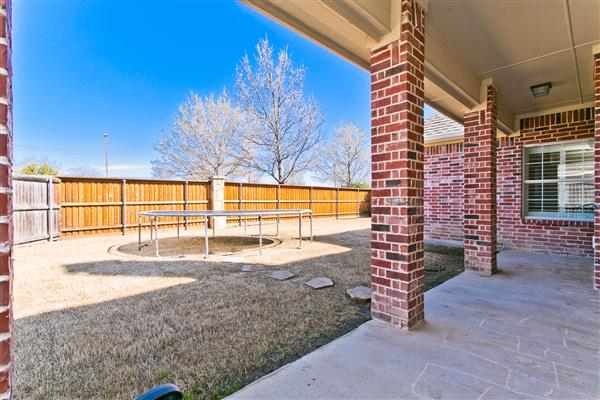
539	216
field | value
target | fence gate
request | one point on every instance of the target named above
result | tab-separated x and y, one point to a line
36	214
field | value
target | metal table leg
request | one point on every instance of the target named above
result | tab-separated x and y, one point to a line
177	227
156	236
277	233
205	237
245	226
139	234
259	234
299	231
214	228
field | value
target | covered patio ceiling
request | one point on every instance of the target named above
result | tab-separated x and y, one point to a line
516	43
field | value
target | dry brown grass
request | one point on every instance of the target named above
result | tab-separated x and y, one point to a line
115	327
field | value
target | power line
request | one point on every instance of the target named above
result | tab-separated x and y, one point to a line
55	150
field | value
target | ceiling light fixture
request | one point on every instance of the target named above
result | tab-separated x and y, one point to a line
543	89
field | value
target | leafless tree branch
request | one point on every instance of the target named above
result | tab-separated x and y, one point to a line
345	158
205	140
286	126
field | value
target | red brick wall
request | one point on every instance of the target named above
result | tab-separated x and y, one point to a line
5	202
397	93
514	232
479	155
444	192
596	110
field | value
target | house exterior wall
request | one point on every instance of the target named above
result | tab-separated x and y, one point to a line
596	112
444	181
444	192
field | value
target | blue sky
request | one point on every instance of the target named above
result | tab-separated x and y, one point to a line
82	68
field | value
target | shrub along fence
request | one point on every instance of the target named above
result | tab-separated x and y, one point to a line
89	206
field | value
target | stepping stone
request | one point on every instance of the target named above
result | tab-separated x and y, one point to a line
251	268
319	283
360	294
282	275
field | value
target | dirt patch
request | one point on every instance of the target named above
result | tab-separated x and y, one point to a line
194	246
91	325
442	263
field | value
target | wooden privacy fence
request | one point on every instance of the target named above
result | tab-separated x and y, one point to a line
106	205
323	201
36	212
87	206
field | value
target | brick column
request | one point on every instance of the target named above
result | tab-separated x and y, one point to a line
480	187
597	167
6	233
217	201
397	92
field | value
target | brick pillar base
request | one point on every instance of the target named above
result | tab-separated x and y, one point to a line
480	187
397	92
597	168
6	232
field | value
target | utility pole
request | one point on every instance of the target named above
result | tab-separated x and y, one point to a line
106	154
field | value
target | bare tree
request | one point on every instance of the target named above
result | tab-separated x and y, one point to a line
205	140
286	125
345	158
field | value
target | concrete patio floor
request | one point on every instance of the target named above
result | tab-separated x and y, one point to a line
531	331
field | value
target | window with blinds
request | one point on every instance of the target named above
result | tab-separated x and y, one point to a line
559	181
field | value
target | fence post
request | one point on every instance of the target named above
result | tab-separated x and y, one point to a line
185	204
278	200
50	199
240	194
124	211
56	200
357	203
337	203
310	199
217	200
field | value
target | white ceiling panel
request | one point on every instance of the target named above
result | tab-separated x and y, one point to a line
493	34
514	83
518	43
586	20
